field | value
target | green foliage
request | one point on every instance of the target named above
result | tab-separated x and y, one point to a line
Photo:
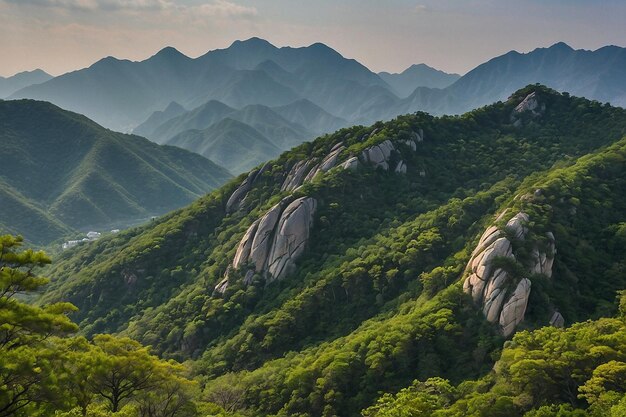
60	173
45	372
376	302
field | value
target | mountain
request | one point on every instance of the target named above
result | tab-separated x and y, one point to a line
199	118
62	173
349	267
237	146
248	72
157	118
10	85
597	75
417	75
275	132
311	117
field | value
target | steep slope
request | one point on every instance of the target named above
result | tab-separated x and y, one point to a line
10	85
417	75
336	271
198	118
274	132
310	116
234	144
71	173
282	132
156	119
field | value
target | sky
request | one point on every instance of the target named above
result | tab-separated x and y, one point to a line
385	35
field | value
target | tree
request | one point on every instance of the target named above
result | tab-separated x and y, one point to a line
26	352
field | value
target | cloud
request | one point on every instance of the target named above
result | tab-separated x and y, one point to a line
420	8
220	8
225	8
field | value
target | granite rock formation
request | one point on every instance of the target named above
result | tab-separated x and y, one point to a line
503	298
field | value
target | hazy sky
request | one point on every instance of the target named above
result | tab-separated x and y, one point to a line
453	35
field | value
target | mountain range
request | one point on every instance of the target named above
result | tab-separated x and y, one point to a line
62	173
380	270
299	93
417	75
10	85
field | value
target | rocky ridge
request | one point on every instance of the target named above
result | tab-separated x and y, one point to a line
273	243
503	297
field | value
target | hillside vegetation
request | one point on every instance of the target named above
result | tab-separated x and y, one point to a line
373	228
61	173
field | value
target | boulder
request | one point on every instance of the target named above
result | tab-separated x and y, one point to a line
351	163
531	105
241	191
481	268
221	286
401	168
557	320
378	155
296	175
517	225
291	237
514	309
239	195
261	244
327	163
273	243
490	287
245	246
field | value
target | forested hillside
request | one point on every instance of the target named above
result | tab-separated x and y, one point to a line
62	173
355	264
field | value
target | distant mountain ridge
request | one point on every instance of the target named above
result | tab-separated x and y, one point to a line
248	72
9	85
418	75
61	173
290	95
278	128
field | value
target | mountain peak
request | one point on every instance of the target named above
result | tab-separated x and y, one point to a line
561	46
253	42
169	52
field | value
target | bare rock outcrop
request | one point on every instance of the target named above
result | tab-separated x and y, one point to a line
273	243
529	105
296	175
291	237
502	297
378	155
330	161
351	164
238	196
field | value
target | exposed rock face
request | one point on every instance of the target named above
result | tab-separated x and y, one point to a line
557	320
238	196
245	246
273	243
291	237
327	163
529	104
351	163
296	175
513	311
378	155
504	300
260	247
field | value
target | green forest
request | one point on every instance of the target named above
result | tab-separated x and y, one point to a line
373	318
